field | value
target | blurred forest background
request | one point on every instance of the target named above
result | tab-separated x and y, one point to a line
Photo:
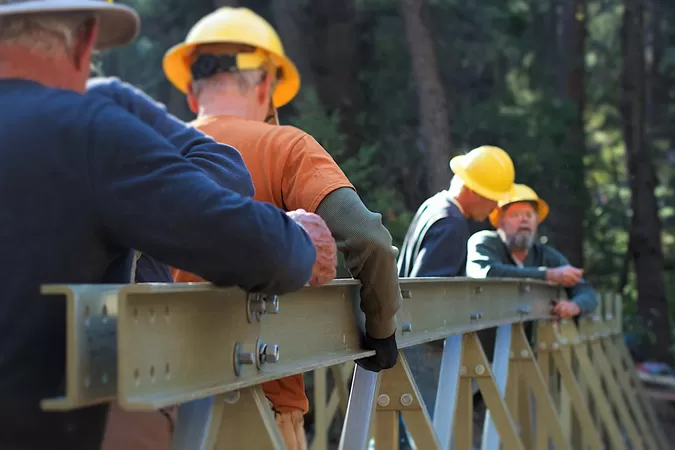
579	92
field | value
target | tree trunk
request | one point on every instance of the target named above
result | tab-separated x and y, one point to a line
656	108
433	110
646	226
566	221
336	66
292	22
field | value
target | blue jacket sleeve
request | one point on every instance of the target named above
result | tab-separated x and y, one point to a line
583	293
148	197
443	252
221	162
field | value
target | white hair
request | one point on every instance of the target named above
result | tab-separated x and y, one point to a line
456	186
49	33
244	80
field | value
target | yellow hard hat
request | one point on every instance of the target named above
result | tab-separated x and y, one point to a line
235	26
486	170
521	193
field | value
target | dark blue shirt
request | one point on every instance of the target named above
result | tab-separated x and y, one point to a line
435	244
82	182
149	270
223	163
225	166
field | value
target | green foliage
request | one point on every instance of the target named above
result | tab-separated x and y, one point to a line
315	120
499	61
362	170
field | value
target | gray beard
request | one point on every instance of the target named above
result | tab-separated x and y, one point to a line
520	241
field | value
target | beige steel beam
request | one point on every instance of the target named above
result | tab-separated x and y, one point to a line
175	343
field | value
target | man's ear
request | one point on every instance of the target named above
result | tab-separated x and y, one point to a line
83	45
265	90
192	102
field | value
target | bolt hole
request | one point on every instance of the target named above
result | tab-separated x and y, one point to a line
152	371
137	374
135	313
105	311
167	369
86	311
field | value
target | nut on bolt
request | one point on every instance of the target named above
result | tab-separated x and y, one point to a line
260	304
268	353
406	328
272	304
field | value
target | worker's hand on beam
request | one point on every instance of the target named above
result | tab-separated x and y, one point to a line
386	353
324	269
567	275
566	309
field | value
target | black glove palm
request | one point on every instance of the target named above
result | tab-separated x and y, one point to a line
386	353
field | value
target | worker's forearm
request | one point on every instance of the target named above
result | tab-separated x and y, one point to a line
148	197
584	295
222	163
499	270
369	257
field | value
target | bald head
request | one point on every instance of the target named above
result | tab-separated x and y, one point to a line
242	93
475	206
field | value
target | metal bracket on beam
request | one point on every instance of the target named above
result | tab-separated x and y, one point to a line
91	339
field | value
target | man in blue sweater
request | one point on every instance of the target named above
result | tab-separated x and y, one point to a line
151	430
82	183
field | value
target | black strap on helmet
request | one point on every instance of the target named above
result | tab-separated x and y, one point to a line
208	65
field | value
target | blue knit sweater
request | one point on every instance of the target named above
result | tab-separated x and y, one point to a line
83	181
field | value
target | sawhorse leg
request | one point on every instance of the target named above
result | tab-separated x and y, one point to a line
234	420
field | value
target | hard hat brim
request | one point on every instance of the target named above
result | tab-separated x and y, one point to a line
458	169
118	24
176	66
542	211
